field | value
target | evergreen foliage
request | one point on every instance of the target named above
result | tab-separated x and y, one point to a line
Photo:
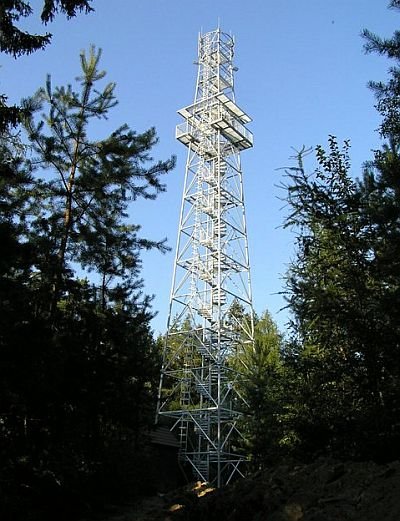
17	42
260	366
79	367
343	289
83	207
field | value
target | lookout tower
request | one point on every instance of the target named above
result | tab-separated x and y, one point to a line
210	316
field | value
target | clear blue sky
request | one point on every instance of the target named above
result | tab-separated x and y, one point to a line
302	76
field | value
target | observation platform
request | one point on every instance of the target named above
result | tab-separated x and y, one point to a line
208	118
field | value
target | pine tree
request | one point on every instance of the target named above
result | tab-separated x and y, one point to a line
82	216
78	364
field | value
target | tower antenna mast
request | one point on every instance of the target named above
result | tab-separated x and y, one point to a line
210	316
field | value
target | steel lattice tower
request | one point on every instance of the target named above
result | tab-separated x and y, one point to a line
210	316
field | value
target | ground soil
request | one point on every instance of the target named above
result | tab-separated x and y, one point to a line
325	490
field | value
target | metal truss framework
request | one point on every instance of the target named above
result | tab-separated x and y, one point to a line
210	316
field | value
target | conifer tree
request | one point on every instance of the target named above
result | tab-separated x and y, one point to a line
82	215
343	290
78	365
263	389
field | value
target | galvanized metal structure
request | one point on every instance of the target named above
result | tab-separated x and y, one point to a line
210	315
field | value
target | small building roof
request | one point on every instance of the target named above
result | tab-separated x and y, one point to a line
163	436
